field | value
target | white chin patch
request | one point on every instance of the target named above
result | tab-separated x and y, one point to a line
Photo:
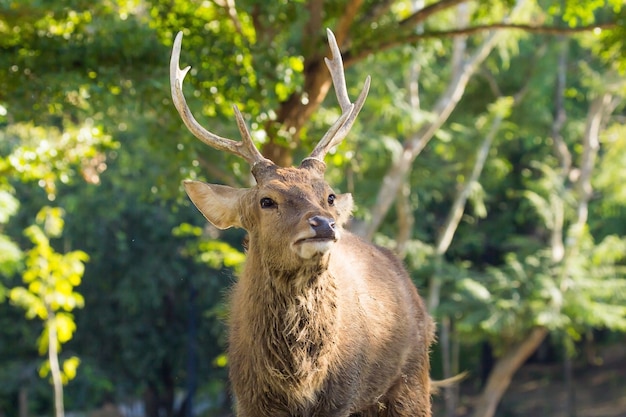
309	248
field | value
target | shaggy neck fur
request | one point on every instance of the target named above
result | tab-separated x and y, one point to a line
292	320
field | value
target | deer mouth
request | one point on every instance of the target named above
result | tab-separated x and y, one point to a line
310	246
316	239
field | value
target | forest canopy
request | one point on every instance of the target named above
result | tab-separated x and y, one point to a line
490	156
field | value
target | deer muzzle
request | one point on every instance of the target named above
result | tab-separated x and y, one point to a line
318	239
323	227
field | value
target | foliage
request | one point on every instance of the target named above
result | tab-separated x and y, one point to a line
507	301
10	253
51	278
86	121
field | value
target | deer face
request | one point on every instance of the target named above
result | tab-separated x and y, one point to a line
291	214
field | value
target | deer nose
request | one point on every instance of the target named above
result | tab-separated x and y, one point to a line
323	226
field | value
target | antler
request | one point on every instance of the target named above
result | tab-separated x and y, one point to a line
341	127
244	148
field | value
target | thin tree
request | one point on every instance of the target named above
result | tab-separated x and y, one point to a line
49	295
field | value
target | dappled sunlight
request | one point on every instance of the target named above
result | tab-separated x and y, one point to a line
50	157
490	155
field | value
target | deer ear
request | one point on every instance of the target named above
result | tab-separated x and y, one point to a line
218	203
344	205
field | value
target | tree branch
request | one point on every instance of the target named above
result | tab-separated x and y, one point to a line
423	14
225	177
230	7
416	142
565	157
406	220
312	27
500	378
346	20
403	38
591	145
544	30
375	12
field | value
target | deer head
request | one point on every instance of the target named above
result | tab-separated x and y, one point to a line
291	213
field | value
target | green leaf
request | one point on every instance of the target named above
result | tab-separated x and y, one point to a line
51	218
10	256
475	289
8	206
70	367
65	327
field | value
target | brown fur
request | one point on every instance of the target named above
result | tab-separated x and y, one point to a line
340	333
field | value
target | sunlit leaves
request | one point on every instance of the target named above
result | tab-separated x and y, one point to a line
221	360
576	13
586	291
8	205
51	157
214	253
611	173
64	326
474	289
186	229
33	305
86	88
10	253
548	196
68	369
50	278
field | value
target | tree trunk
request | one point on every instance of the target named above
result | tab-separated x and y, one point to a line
503	371
406	221
55	369
448	365
568	378
414	145
298	108
295	112
23	401
444	238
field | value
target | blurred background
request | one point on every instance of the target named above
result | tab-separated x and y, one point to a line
490	156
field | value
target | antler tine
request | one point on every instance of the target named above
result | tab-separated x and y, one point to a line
245	149
339	130
344	129
335	66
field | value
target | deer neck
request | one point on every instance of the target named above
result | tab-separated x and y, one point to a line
297	313
290	275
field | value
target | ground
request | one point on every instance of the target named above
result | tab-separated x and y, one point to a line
539	390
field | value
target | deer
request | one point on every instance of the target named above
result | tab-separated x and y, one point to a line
321	322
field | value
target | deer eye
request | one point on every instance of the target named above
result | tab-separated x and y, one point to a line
267	203
331	199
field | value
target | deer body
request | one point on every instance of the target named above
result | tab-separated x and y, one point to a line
322	322
333	347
